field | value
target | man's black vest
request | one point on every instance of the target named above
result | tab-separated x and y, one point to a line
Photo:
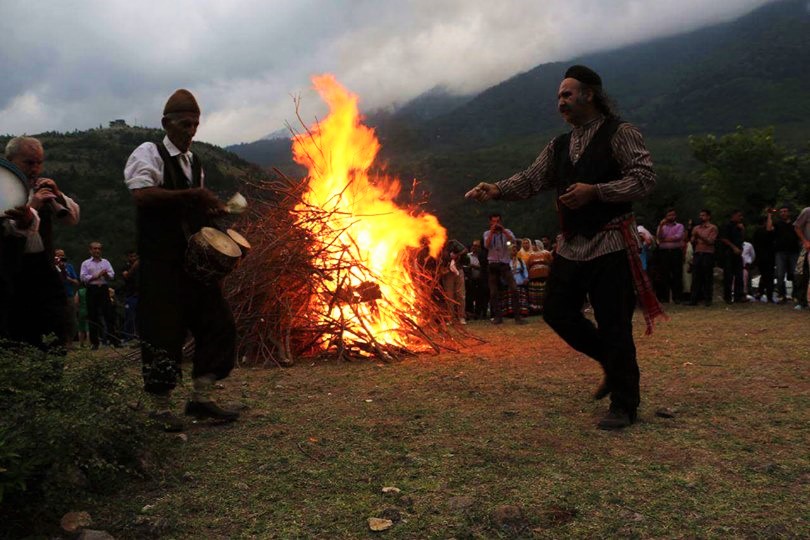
597	165
163	232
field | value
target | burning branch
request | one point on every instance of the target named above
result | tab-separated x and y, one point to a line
337	268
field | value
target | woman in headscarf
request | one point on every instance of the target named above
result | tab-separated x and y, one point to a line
521	273
525	250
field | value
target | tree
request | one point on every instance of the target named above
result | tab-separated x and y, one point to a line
747	170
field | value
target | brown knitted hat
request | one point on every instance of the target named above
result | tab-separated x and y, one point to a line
181	101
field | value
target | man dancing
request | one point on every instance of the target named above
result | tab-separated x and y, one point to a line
597	170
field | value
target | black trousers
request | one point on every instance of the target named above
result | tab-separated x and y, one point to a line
477	297
766	274
100	306
733	276
672	269
608	282
498	271
170	304
703	277
38	302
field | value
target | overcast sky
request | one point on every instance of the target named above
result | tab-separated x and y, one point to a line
68	65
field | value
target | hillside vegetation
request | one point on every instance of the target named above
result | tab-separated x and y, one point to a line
88	166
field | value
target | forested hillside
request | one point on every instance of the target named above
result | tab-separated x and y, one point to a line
752	72
88	166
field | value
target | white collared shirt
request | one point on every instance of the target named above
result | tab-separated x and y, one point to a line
144	167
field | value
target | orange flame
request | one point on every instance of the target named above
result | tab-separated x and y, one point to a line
373	238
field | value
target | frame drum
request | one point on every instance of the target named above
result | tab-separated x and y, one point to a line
13	188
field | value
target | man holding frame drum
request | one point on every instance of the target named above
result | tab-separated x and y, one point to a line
37	304
167	184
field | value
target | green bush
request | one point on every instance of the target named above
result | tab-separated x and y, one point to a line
66	431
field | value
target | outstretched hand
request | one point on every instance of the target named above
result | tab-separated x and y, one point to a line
483	192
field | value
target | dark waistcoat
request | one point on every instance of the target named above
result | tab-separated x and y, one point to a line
597	165
163	232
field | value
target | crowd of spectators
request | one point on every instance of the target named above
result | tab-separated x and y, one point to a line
503	275
768	263
765	263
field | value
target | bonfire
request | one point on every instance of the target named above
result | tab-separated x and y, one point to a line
338	267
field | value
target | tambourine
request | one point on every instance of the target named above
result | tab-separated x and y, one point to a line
13	188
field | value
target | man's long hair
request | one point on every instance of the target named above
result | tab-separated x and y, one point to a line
603	102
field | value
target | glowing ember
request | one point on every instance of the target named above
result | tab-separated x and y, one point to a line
369	243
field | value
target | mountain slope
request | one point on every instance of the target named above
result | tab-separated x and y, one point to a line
752	71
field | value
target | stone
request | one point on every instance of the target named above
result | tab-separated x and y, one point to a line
391	490
73	522
379	524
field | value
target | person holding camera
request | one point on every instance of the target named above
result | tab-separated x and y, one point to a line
38	301
498	241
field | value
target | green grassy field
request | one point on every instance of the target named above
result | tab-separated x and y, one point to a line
508	422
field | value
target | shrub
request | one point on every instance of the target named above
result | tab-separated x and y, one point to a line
66	430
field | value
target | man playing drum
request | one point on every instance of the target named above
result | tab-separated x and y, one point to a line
167	185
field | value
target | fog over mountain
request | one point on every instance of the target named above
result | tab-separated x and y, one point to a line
76	65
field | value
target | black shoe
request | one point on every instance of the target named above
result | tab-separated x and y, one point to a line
521	321
94	348
167	421
616	419
602	391
209	409
693	303
497	320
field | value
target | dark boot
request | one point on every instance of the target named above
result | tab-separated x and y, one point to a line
209	409
616	419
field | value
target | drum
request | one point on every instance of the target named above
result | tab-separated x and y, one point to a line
211	255
240	241
13	188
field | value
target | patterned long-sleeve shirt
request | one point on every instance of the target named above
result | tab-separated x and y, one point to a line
636	182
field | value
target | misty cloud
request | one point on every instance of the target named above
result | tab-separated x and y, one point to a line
75	65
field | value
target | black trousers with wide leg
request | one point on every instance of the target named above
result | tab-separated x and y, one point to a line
172	303
608	283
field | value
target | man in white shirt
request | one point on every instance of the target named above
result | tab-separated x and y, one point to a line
167	184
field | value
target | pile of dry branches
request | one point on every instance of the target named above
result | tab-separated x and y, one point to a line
297	265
